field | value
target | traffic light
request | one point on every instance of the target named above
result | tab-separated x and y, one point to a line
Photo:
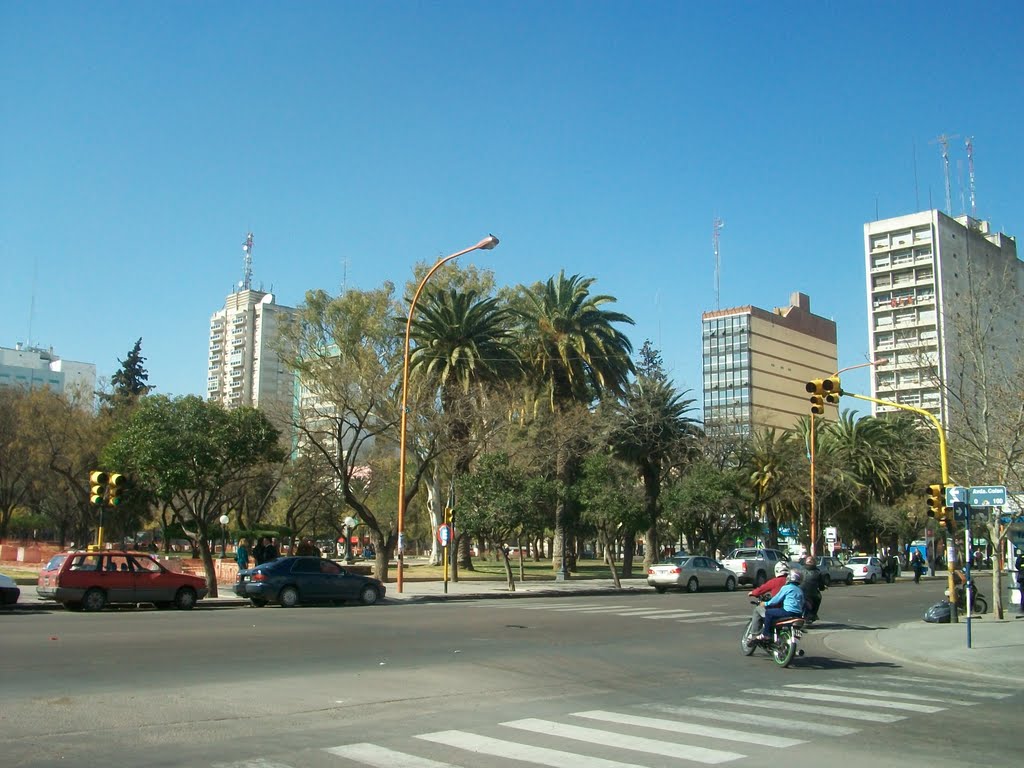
832	389
936	500
97	487
817	389
116	484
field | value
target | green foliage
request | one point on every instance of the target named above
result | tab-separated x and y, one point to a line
498	500
129	383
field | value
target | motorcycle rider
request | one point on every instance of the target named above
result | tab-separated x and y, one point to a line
788	603
769	588
812	586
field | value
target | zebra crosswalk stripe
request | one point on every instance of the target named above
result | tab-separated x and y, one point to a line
815	709
715	617
855	700
933	684
511	750
625	741
382	757
891	694
694	729
823	729
669	614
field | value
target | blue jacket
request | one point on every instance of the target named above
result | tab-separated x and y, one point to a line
790	598
242	557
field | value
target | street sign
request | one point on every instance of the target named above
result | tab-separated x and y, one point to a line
987	495
830	534
955	494
443	534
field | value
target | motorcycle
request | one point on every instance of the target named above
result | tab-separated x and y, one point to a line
940	614
783	645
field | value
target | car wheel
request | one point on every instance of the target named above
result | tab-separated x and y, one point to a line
692	585
94	600
368	595
661	590
826	580
185	599
730	584
289	597
256	602
849	579
872	579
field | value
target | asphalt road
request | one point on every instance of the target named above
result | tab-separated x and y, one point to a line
602	682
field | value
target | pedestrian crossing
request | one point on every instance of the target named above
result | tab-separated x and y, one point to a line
631	611
700	730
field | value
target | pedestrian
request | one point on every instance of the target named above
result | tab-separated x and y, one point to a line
265	551
918	565
1019	565
242	554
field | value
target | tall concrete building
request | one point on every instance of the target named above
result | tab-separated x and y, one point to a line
757	363
245	368
32	368
925	272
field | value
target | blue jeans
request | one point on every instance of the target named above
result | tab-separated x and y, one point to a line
771	615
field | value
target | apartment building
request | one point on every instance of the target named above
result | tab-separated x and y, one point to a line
926	274
32	367
757	362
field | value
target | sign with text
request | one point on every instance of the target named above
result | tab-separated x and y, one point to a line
987	495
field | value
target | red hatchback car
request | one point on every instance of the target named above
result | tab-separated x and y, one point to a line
92	580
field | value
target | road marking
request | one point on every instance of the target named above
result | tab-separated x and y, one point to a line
510	750
821	711
256	762
381	757
892	694
775	722
714	617
858	700
579	608
941	685
625	741
695	729
673	614
638	612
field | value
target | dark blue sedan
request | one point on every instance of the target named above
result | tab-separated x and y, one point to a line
290	581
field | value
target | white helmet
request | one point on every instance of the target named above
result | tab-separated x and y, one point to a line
781	568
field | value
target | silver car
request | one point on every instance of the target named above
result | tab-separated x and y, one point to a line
833	571
692	573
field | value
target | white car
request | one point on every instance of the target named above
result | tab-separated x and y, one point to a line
691	573
865	568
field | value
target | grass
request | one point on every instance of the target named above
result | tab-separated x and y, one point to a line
22	574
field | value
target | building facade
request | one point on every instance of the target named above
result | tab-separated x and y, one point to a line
756	364
32	368
245	366
926	273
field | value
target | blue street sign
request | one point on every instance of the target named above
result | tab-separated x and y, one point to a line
987	495
955	494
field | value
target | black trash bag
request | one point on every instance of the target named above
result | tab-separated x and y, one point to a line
938	613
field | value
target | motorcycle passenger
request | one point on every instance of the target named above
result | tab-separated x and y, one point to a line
769	588
787	604
812	586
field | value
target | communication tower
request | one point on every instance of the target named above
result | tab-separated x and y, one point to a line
247	274
717	225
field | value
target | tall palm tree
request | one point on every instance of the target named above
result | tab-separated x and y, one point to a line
771	459
574	354
652	431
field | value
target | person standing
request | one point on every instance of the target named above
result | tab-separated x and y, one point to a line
918	565
242	554
1019	565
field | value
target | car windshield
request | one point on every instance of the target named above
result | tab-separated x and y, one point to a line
55	563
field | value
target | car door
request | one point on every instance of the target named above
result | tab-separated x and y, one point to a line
152	584
338	582
308	578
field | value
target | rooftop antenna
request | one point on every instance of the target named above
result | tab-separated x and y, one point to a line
943	141
970	170
717	225
344	275
247	274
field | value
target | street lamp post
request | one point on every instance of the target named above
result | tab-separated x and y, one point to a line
350	523
224	519
484	245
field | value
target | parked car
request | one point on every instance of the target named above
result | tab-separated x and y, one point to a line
690	572
832	570
9	591
92	580
865	568
289	581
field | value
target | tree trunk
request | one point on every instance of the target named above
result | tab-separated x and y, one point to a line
435	507
628	551
508	570
207	557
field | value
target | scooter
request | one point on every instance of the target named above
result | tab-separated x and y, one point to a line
783	645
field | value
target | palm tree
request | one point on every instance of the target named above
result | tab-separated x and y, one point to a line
652	431
574	354
771	460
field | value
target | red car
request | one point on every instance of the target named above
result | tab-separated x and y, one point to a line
92	580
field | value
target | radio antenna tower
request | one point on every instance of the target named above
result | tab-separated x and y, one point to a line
247	274
943	141
717	225
970	170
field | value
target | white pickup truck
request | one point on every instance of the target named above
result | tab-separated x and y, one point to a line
752	565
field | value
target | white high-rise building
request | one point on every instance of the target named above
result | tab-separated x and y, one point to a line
926	272
32	368
245	367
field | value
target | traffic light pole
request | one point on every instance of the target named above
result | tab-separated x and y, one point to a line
814	516
951	552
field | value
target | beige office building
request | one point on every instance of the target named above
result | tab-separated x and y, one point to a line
757	364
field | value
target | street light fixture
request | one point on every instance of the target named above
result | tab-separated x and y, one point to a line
484	245
350	523
224	520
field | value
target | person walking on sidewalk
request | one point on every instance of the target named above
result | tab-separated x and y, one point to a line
918	565
242	554
1019	565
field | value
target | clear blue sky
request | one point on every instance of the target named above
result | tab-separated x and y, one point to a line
141	141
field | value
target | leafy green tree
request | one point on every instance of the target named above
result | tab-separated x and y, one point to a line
573	354
129	383
189	453
612	502
649	364
16	476
711	505
772	461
